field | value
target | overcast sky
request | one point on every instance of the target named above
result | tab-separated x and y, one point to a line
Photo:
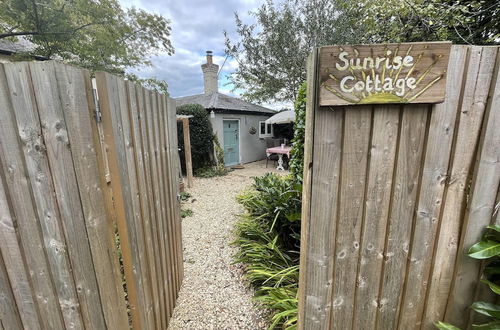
197	26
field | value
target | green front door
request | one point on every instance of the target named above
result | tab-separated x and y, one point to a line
231	142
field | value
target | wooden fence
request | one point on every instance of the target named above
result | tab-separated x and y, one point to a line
393	198
73	180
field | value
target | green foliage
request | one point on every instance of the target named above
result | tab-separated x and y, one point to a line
211	171
299	131
268	237
186	213
97	35
184	196
200	131
278	200
272	52
486	249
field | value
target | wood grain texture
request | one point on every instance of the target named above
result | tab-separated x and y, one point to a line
37	164
427	66
432	188
109	104
377	202
485	182
10	317
55	133
401	217
136	109
307	183
40	302
321	250
356	139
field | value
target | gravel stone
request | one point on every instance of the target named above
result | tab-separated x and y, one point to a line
214	293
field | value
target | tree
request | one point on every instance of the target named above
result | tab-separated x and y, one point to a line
94	34
272	52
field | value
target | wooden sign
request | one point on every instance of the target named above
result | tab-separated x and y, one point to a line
383	73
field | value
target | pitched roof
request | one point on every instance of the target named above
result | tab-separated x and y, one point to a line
219	101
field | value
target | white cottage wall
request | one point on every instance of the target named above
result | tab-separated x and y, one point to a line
252	148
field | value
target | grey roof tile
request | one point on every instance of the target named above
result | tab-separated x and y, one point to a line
222	102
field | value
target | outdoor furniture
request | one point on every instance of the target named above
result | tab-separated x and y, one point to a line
280	151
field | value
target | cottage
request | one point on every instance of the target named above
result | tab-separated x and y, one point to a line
240	126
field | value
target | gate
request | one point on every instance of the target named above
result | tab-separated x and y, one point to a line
89	219
394	195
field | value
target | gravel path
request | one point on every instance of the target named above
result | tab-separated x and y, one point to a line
214	294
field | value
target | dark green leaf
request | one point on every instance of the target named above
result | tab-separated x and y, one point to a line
484	250
487	309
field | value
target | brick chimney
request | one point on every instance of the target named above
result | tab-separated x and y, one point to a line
210	71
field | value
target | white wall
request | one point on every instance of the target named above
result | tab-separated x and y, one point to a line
251	147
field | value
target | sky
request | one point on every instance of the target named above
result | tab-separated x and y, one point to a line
197	26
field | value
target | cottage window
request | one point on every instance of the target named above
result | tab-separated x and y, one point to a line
265	130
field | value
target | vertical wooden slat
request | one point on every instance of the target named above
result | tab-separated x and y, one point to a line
437	157
155	105
55	133
326	175
110	108
9	313
150	108
135	225
151	193
406	183
356	138
169	195
307	185
136	114
24	215
33	146
78	110
482	194
174	167
378	193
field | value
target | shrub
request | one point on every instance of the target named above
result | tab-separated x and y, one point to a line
487	249
299	129
210	172
268	237
200	131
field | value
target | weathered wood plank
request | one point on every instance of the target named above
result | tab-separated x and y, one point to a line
136	112
42	299
9	313
136	231
383	73
326	175
40	176
150	108
57	143
78	110
107	88
311	105
356	139
432	187
485	182
175	171
401	217
168	193
378	194
170	302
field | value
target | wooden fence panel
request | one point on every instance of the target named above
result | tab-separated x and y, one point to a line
68	176
140	173
385	231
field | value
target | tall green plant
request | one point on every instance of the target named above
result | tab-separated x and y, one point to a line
299	131
487	249
200	131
